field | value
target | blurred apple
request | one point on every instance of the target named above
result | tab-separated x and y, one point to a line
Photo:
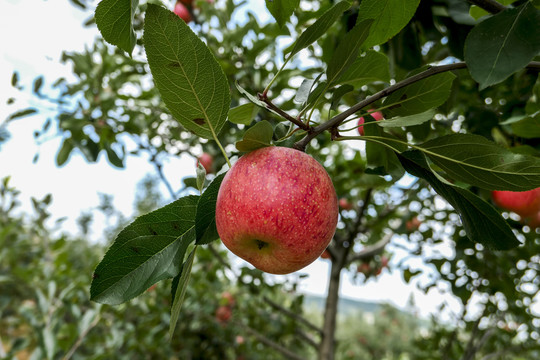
376	115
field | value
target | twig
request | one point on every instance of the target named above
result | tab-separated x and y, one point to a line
491	6
293	315
307	339
292	119
81	338
372	250
288	354
338	119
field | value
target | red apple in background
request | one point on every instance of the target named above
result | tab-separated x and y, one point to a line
186	2
364	268
206	160
228	298
277	209
325	254
345	204
223	314
376	115
182	11
413	224
523	203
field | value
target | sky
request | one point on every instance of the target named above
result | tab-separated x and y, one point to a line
34	34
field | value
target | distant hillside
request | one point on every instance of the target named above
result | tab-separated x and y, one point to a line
345	306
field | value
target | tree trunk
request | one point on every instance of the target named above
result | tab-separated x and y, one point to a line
328	342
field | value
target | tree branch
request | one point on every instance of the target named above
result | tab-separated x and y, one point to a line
288	354
491	6
292	119
372	250
293	315
81	337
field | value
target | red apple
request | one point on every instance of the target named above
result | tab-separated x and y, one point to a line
228	298
376	115
223	314
345	204
239	339
277	209
523	203
182	11
186	2
384	261
413	224
325	254
364	268
206	160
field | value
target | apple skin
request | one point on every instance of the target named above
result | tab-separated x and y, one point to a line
206	160
376	115
186	2
223	314
277	209
413	224
182	11
325	255
523	203
345	204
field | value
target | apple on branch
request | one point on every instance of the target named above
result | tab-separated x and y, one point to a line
182	11
277	209
523	203
206	160
377	115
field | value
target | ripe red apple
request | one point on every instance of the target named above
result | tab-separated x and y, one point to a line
376	115
182	11
364	268
413	224
206	160
223	314
277	209
345	204
384	261
523	203
325	254
228	298
186	2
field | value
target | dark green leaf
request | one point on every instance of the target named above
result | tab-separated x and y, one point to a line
21	113
371	67
379	155
205	219
179	291
243	114
480	220
347	51
148	250
503	44
15	79
256	137
114	20
64	152
319	27
191	82
282	10
113	157
529	127
38	82
338	94
390	17
477	161
420	96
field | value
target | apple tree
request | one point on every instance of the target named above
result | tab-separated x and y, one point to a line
448	96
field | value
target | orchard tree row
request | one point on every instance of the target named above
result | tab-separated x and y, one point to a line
421	117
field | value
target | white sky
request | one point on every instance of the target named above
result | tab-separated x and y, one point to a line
34	33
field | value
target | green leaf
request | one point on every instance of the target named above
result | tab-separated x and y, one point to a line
338	93
410	120
379	155
113	157
179	291
503	44
205	219
481	221
201	176
302	93
420	96
528	127
64	152
189	78
148	250
14	79
347	51
21	113
319	27
243	114
114	19
477	161
368	68
38	83
390	17
282	10
477	12
256	137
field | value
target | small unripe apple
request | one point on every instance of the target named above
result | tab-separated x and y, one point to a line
277	209
345	204
182	11
376	115
523	203
223	314
206	160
